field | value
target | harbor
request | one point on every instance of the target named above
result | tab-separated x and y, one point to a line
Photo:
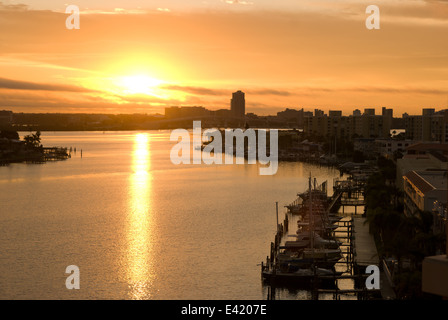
321	248
130	218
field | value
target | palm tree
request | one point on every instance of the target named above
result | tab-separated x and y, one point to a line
33	140
425	242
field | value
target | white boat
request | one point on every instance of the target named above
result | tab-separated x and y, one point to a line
303	240
304	277
322	254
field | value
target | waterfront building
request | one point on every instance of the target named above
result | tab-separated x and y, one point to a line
387	119
388	147
374	126
367	146
427	191
318	113
331	125
430	126
435	275
317	124
186	112
366	125
422	156
435	268
292	117
422	189
222	113
337	125
6	118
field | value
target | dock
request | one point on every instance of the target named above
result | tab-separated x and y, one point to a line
365	248
357	247
347	193
55	153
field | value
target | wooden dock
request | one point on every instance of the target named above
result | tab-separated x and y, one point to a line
357	245
365	248
347	193
366	254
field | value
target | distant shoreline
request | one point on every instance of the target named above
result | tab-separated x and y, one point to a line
164	129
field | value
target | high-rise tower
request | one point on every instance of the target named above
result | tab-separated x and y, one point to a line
238	104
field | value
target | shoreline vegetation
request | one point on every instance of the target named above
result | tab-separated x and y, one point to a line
28	150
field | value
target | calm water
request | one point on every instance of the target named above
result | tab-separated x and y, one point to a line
138	226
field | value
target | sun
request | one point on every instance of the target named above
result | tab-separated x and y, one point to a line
138	84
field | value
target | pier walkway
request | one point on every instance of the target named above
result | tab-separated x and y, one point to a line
365	248
366	254
358	252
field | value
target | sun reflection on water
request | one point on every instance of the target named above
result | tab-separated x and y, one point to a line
139	269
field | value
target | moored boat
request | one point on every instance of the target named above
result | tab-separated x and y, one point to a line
303	277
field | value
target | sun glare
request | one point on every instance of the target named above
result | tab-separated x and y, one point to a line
138	84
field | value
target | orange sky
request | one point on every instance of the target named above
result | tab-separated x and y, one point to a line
140	60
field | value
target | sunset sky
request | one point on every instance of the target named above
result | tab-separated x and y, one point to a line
140	56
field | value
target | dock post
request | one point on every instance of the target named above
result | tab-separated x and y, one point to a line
276	210
272	293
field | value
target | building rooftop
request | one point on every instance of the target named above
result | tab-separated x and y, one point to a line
429	180
423	147
439	156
